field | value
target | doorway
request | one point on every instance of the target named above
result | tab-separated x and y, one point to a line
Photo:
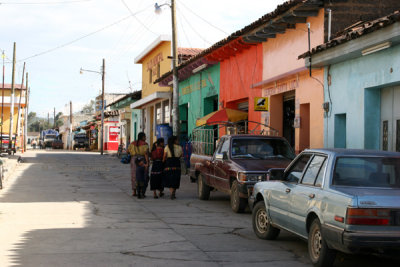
390	119
184	127
288	118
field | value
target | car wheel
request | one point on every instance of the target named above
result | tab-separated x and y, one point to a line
320	254
203	189
262	224
238	204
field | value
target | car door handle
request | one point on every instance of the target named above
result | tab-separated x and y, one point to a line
288	190
311	195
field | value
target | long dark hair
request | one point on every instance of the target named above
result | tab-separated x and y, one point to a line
171	142
157	143
140	136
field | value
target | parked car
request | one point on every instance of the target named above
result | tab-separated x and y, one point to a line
238	162
57	143
337	199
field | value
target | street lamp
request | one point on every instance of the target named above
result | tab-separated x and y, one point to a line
102	72
175	89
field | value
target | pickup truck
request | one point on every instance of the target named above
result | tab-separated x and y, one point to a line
237	164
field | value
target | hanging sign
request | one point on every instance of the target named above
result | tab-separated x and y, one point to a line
261	104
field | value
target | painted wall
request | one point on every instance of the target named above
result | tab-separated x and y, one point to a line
355	91
238	74
136	118
6	118
158	54
280	56
195	90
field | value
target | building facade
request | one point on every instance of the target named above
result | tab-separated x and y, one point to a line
362	85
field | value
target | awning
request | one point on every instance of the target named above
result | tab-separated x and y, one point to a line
222	115
150	99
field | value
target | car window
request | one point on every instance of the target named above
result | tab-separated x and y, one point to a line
321	173
261	148
295	172
223	146
367	172
313	169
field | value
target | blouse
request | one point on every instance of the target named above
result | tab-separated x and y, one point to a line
177	151
157	154
141	149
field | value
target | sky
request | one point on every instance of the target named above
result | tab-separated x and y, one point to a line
56	38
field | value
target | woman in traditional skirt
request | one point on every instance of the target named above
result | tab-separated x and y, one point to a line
172	171
138	148
157	169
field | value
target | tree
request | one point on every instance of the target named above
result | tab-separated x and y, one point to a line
59	121
88	108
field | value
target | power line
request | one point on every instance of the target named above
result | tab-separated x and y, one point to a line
144	25
206	21
43	3
82	37
194	30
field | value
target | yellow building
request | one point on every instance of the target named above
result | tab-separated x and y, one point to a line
156	102
5	107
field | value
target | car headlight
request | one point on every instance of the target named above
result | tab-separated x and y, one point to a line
251	177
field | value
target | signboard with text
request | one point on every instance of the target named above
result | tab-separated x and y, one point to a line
261	104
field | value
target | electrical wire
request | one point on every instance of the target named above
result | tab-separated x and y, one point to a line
82	37
183	29
144	25
194	30
43	3
212	25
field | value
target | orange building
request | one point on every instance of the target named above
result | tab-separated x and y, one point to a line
5	108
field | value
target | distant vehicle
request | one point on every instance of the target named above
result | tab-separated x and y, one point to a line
337	199
237	163
81	141
57	144
5	145
48	137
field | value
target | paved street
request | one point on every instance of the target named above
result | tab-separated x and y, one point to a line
75	209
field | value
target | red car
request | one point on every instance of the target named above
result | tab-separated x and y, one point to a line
57	144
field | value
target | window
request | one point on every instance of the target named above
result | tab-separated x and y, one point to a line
150	75
367	172
158	70
321	174
313	170
166	112
294	175
158	113
261	148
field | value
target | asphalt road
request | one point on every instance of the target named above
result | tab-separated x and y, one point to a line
75	209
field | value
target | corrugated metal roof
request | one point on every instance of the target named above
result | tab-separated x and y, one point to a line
355	31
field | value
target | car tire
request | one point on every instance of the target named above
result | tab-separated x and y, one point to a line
203	189
238	204
319	252
261	223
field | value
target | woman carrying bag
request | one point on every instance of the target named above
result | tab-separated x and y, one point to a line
137	149
172	171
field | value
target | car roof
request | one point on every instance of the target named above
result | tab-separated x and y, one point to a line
253	135
354	152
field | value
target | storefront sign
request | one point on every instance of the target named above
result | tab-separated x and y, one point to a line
193	87
261	104
154	63
113	133
280	88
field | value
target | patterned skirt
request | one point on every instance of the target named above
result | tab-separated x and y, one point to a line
172	173
156	176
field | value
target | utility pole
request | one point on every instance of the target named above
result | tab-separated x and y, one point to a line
70	125
12	99
19	106
26	112
48	119
2	105
54	118
175	88
103	72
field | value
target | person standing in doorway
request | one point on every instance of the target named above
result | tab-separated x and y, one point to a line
157	169
138	148
172	171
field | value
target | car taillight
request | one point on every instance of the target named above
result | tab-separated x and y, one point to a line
356	216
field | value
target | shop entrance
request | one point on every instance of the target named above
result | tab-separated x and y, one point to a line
183	116
390	119
288	117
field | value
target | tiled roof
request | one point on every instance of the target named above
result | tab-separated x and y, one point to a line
189	51
355	31
8	86
280	10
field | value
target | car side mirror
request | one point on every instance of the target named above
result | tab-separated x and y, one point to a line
275	174
225	155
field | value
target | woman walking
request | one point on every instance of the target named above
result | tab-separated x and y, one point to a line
172	154
156	177
138	149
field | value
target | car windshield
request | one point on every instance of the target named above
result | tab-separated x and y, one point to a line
261	148
367	172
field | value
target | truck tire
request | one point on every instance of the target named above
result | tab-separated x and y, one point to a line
320	254
238	204
261	223
203	190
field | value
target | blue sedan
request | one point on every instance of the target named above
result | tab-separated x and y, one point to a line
337	199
